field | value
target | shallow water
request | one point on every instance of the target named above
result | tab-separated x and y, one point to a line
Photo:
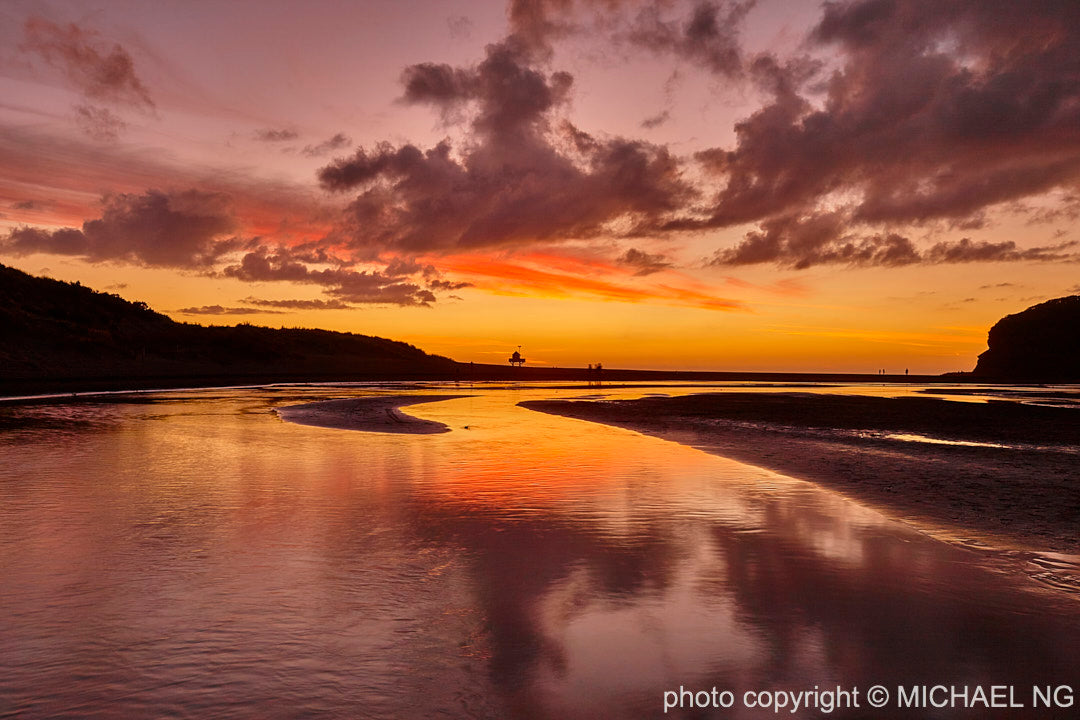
189	554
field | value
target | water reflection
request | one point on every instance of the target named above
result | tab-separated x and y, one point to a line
194	555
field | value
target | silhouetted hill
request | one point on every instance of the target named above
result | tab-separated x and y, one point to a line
1040	344
54	333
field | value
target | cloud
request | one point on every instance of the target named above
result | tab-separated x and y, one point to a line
448	285
298	304
901	116
535	23
522	177
63	175
337	142
523	277
801	246
219	310
99	123
656	120
101	72
937	111
511	94
708	37
348	286
270	135
966	250
645	263
827	239
931	115
185	229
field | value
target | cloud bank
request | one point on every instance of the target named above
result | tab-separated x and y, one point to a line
891	120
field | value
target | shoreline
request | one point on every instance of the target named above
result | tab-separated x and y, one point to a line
367	414
16	385
994	484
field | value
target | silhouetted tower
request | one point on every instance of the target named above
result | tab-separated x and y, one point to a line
516	359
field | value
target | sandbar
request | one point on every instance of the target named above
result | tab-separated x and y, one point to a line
999	472
368	414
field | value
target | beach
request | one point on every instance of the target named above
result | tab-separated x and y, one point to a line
998	473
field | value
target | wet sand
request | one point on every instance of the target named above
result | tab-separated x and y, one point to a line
369	414
1017	482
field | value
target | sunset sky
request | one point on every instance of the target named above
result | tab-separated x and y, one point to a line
771	185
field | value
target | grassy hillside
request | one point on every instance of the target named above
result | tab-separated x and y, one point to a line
54	332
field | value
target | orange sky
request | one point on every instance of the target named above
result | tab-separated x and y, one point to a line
692	185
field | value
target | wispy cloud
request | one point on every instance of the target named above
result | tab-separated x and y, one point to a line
519	278
219	310
337	142
101	70
272	135
644	263
298	304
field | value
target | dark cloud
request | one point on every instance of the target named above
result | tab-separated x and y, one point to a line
219	310
271	135
512	96
402	267
188	229
99	123
825	239
522	178
447	285
100	71
25	205
938	111
348	286
298	304
966	250
332	144
535	23
384	160
645	263
801	242
708	37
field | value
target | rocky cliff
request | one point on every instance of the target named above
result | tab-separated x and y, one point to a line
1040	344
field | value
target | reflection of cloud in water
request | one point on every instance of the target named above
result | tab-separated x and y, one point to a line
613	572
531	567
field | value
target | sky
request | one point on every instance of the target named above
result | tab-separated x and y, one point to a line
770	185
